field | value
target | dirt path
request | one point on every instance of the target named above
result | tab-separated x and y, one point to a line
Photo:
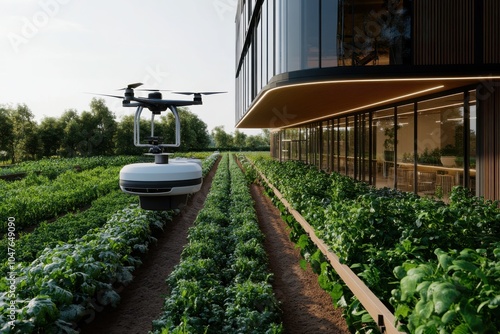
306	307
142	301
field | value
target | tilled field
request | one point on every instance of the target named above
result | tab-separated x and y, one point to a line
306	307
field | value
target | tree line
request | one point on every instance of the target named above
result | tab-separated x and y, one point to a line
98	132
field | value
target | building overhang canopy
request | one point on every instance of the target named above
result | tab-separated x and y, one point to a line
290	100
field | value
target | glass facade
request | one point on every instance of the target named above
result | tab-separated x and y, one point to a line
281	36
326	33
292	35
425	146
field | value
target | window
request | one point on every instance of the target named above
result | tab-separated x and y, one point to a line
375	32
383	138
326	144
404	144
471	140
310	34
329	15
426	147
441	143
271	32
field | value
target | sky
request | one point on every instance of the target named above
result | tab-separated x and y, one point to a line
53	52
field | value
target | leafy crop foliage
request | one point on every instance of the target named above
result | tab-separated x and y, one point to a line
68	282
68	269
51	168
222	283
35	198
435	264
68	227
459	293
53	186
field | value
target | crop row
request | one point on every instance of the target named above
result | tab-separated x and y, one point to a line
51	168
222	283
65	228
74	225
436	264
37	198
34	200
68	282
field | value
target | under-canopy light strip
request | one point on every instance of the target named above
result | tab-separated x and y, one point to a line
366	106
483	78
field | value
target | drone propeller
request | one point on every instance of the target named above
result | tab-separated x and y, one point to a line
153	90
199	93
132	86
116	96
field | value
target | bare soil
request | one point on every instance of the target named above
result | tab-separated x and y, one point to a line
306	307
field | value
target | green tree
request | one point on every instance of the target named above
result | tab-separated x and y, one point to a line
101	128
194	133
221	138
258	141
66	117
266	136
90	133
25	143
6	131
73	142
51	134
239	139
253	142
124	136
69	122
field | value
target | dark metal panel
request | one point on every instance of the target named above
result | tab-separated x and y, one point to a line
491	27
444	32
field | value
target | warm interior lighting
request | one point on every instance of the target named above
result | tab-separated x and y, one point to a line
374	104
441	107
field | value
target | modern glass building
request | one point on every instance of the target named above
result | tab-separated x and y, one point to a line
398	93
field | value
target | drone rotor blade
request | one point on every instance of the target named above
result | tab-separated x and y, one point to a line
211	93
132	86
153	90
116	96
201	93
135	85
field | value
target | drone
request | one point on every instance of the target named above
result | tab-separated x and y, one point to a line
166	183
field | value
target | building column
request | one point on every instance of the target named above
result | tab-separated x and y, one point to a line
488	140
